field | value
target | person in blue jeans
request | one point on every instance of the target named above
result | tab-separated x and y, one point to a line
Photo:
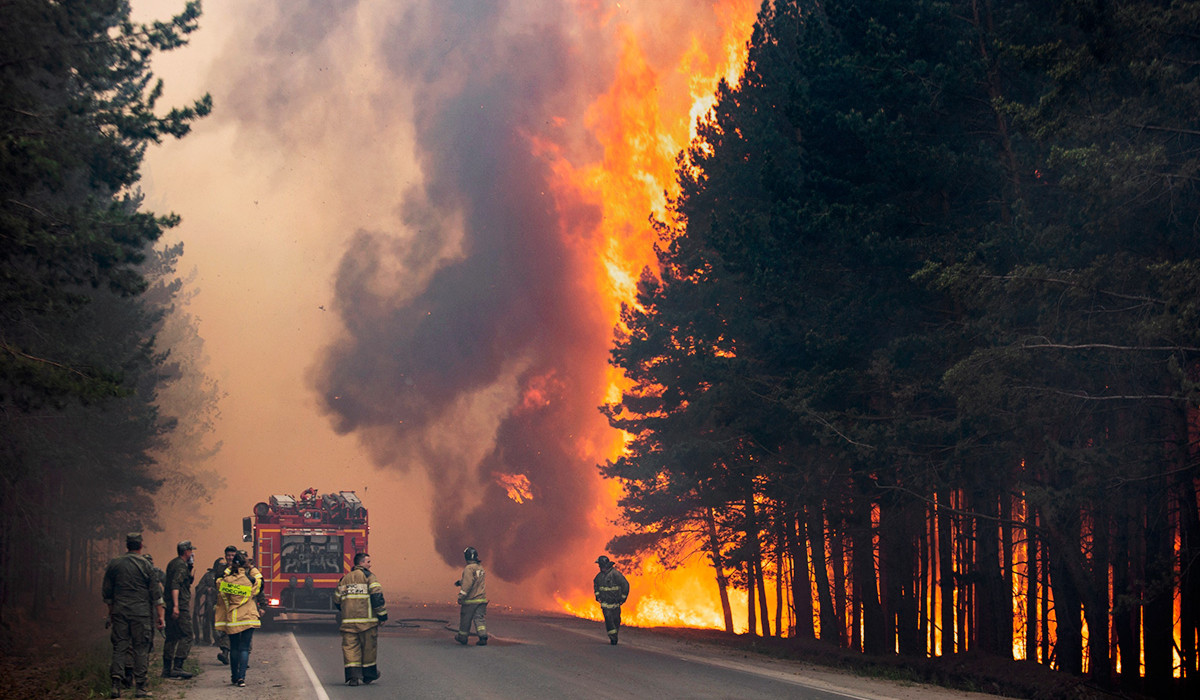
237	613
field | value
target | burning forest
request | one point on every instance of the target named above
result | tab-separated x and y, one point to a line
866	322
904	361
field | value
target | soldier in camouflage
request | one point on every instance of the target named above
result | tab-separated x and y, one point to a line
177	593
135	604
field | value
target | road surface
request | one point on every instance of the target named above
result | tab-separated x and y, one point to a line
528	656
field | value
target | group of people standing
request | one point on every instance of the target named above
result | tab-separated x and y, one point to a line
141	598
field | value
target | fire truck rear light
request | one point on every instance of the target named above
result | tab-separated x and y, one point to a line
273	602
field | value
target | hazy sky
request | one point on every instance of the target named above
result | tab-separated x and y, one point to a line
408	220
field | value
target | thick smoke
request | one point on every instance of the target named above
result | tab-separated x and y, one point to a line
473	330
474	343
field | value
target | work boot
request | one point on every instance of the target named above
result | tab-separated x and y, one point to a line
116	688
223	657
460	638
167	670
141	692
352	682
482	642
612	639
178	672
128	678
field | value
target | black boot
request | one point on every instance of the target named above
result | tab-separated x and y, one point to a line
168	670
178	672
223	657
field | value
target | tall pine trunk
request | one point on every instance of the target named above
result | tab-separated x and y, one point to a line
718	561
802	602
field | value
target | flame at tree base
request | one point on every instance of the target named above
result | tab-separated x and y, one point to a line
684	596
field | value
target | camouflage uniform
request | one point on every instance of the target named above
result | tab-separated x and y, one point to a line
132	594
179	628
204	606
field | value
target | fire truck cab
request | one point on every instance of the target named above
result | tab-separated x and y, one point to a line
304	546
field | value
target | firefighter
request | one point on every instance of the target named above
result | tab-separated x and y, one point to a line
222	639
611	591
177	593
359	598
472	596
134	598
237	613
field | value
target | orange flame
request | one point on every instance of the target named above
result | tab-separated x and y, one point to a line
516	485
643	120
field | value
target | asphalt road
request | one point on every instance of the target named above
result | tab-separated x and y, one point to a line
537	656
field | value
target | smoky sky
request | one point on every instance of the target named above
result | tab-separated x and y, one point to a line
484	289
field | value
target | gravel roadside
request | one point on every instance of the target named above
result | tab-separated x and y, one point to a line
275	673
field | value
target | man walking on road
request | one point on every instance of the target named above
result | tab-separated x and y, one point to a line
133	596
177	592
359	598
472	596
611	591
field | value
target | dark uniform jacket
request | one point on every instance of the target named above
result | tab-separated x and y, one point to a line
178	577
611	588
130	586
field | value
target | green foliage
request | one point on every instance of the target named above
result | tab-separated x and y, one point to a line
84	293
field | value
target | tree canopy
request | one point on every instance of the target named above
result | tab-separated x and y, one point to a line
924	322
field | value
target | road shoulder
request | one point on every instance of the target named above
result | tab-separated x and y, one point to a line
274	672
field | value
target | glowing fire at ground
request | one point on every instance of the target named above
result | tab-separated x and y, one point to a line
680	597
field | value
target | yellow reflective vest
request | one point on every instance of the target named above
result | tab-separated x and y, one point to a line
360	598
236	610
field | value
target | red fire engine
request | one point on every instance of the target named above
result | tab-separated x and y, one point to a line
304	546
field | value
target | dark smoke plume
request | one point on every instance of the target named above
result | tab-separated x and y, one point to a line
479	322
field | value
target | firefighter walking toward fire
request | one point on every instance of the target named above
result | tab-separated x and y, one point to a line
472	597
134	599
612	589
237	613
362	609
177	593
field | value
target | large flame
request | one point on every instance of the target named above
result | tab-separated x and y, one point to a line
643	120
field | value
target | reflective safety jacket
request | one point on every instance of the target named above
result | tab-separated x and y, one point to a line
473	590
611	588
236	609
359	596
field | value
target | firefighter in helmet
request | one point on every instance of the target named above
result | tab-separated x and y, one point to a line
359	598
611	589
472	597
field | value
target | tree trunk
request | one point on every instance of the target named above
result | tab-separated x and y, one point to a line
802	602
991	603
1068	647
875	639
830	630
714	551
945	536
837	557
1157	617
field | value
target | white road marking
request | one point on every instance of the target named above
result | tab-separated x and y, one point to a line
312	675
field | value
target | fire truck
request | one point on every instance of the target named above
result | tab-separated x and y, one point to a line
303	547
